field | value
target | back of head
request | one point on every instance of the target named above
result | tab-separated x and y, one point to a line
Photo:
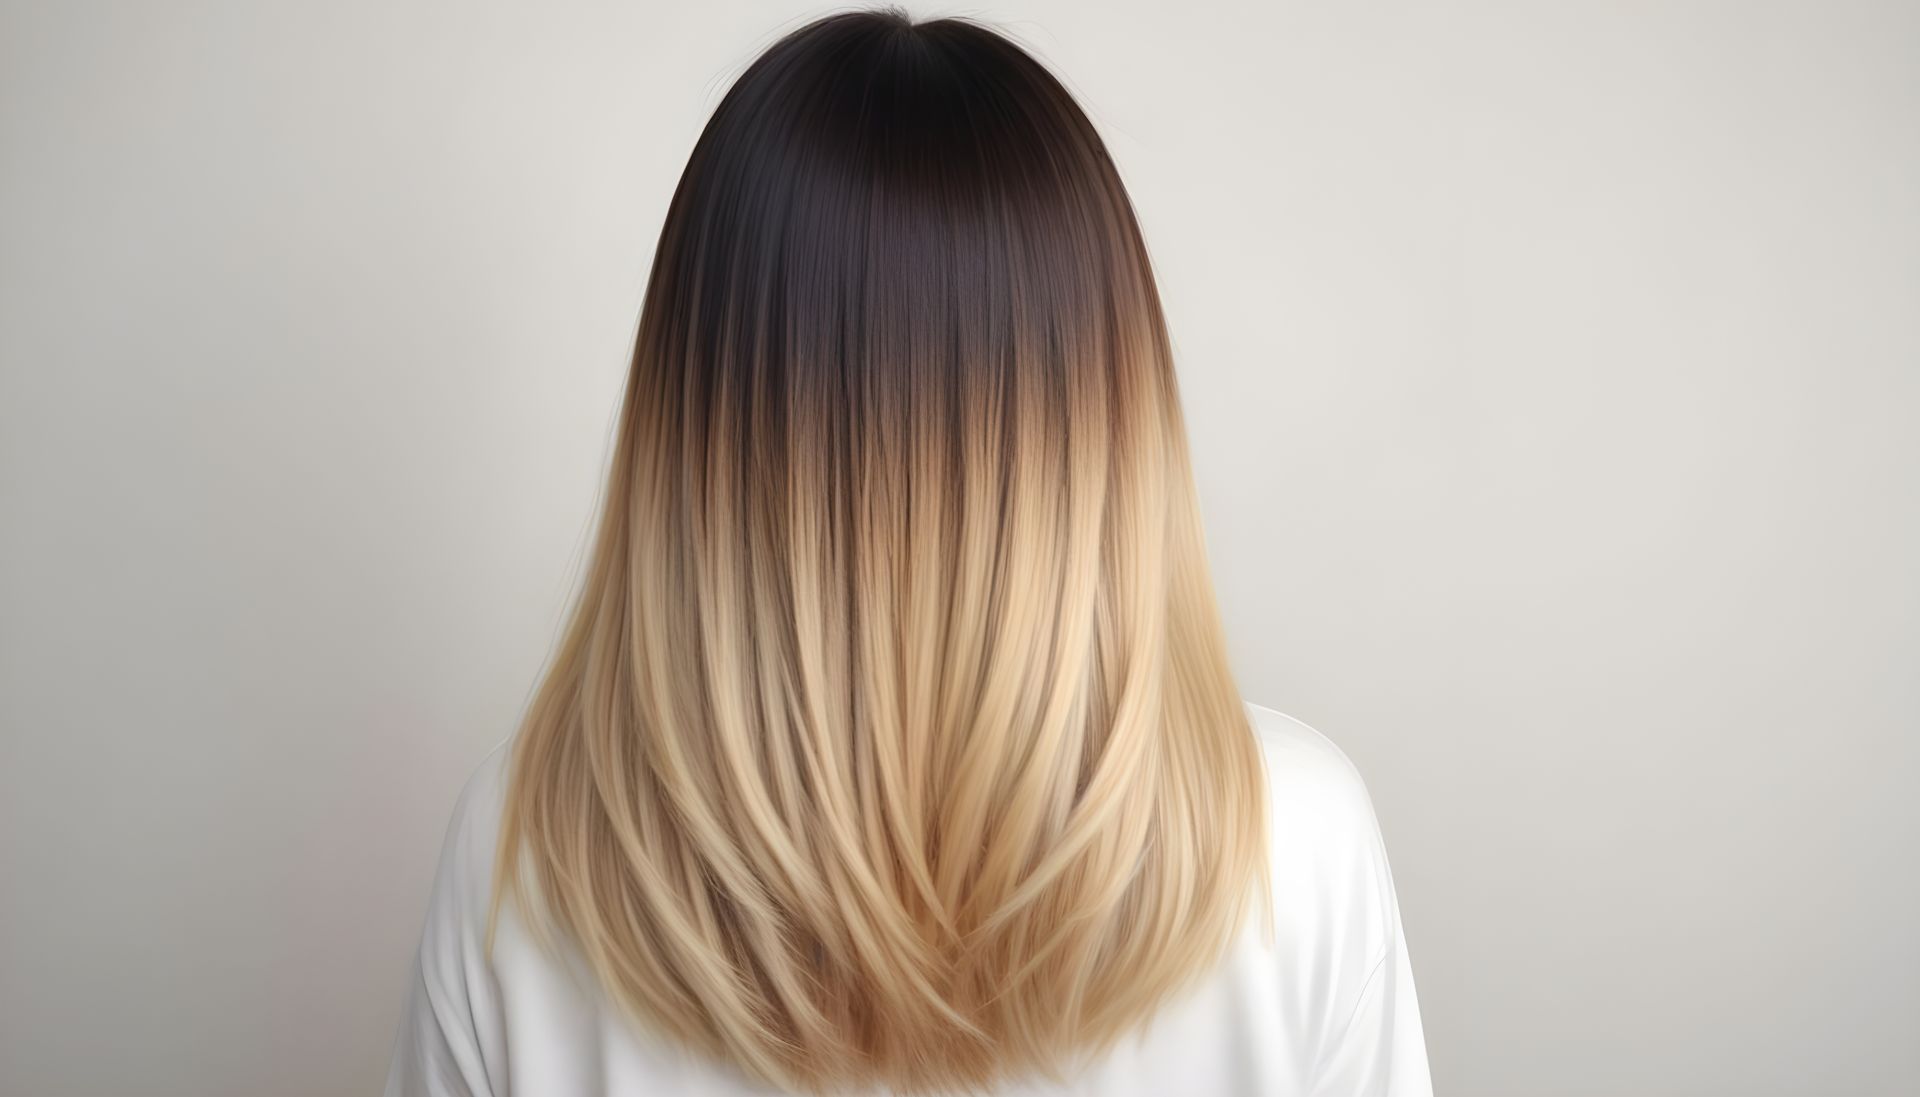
892	740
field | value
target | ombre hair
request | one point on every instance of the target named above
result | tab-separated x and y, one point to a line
892	740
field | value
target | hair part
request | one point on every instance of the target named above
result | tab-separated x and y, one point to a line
892	739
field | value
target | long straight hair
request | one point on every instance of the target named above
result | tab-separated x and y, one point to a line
892	740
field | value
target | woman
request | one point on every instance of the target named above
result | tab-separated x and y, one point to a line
892	745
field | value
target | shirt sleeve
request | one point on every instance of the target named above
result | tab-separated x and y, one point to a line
449	1042
1381	1051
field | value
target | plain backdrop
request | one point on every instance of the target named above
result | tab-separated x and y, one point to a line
1552	371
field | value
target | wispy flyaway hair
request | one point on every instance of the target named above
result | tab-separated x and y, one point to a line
892	740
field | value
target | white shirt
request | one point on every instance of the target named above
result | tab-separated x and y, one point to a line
1327	1007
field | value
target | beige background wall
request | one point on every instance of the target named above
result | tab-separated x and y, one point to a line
1552	371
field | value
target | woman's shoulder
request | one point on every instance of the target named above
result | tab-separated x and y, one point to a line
1323	836
1338	944
484	791
1307	774
464	881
